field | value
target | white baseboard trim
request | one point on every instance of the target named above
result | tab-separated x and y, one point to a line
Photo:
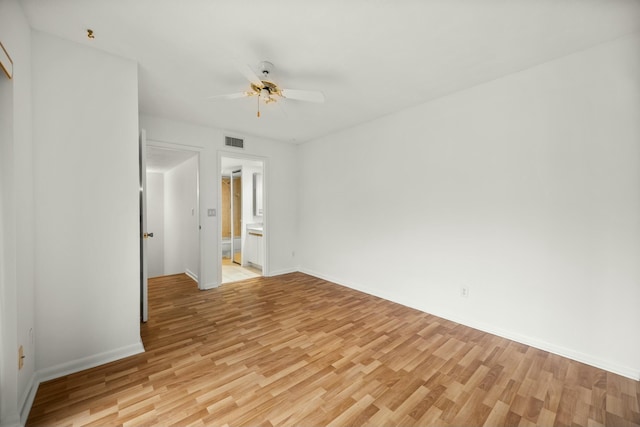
89	362
27	399
213	285
63	369
192	275
208	286
281	272
615	368
544	345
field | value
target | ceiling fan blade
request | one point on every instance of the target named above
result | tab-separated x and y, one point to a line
280	108
303	95
228	96
246	71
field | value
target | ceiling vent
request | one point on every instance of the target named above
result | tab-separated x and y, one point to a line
233	142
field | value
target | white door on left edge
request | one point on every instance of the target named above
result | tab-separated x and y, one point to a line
144	276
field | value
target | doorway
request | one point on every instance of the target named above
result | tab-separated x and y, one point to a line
172	198
236	216
242	225
231	212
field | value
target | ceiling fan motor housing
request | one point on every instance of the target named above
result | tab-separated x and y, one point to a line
269	86
266	68
265	89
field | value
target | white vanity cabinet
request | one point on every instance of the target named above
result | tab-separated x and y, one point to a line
254	251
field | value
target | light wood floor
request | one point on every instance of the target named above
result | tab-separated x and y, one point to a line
299	351
232	272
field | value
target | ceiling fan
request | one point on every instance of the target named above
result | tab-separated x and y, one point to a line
266	90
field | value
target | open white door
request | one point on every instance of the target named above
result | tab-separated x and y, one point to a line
144	307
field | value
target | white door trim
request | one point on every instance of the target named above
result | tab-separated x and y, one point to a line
198	152
265	201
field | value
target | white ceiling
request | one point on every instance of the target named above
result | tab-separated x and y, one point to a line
161	160
369	57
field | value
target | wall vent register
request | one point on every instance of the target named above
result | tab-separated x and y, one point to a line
233	142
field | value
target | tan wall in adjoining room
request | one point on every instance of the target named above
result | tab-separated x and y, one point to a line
226	207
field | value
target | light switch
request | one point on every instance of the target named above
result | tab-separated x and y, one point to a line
211	212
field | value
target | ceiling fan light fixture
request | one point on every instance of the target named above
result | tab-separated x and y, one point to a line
265	90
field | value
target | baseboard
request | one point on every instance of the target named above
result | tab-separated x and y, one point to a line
192	275
213	285
63	369
89	362
27	399
569	353
208	286
624	371
281	272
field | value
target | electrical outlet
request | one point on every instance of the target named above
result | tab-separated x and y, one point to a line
464	292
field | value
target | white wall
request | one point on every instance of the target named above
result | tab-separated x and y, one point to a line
281	192
155	223
8	281
525	189
181	240
17	256
87	211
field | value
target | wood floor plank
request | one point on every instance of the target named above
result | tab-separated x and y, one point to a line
297	350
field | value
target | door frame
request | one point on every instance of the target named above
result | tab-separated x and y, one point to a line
265	201
198	153
233	216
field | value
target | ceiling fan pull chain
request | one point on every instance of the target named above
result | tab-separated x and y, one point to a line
258	97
